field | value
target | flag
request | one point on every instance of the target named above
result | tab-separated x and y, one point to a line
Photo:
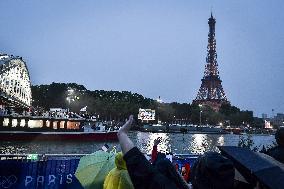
84	109
105	147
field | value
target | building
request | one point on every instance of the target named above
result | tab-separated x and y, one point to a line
15	86
264	116
278	120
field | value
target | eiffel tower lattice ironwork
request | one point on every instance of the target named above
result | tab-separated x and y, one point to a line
211	92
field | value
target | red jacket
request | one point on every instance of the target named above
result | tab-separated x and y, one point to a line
154	153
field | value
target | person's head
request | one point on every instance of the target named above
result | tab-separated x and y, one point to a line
185	172
177	167
160	156
119	161
214	171
165	167
279	136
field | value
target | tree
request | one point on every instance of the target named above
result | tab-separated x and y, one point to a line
118	105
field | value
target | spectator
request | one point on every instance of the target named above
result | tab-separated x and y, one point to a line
212	171
142	173
186	172
166	167
277	152
118	177
155	153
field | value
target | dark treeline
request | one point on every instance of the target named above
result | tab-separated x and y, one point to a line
116	105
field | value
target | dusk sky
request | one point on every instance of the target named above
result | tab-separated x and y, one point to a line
154	48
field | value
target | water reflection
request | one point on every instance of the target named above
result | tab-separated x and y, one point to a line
182	143
12	149
199	143
221	140
179	143
176	143
204	142
145	142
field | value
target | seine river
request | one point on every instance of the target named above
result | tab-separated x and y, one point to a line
175	143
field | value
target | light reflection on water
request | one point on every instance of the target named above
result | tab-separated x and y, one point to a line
175	143
193	143
221	140
179	143
200	143
147	141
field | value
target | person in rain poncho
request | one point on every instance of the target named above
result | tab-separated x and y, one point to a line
118	177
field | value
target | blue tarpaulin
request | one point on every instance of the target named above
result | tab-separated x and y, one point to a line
51	174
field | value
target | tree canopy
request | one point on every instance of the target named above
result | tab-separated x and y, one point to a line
117	105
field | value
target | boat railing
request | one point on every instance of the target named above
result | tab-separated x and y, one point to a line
45	157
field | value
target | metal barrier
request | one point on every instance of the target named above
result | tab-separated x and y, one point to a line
52	171
49	171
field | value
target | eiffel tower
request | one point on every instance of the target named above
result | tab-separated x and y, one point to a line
211	92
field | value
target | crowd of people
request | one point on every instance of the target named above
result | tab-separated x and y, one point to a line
210	171
277	152
53	113
133	170
3	111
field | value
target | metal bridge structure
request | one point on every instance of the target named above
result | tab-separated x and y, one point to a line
211	92
15	85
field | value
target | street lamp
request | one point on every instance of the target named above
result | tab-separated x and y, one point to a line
159	100
71	97
200	111
68	100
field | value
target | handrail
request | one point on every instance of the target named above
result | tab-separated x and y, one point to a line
50	156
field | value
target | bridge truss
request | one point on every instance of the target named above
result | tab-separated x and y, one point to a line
15	85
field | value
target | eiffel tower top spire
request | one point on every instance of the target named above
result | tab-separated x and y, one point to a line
211	92
211	59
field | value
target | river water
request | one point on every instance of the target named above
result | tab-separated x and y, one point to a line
171	142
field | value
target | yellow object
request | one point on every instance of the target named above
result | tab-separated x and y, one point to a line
118	177
93	169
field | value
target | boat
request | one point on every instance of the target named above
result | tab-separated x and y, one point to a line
177	128
30	128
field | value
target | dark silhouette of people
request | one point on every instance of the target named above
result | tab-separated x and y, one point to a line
212	171
143	174
186	171
277	152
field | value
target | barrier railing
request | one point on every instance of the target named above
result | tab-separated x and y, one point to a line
56	171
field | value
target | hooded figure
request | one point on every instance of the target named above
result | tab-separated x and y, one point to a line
118	177
277	152
214	171
165	167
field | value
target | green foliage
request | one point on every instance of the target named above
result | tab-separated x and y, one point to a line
246	141
117	105
258	122
235	115
108	105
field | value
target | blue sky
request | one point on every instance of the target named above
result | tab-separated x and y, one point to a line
155	48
